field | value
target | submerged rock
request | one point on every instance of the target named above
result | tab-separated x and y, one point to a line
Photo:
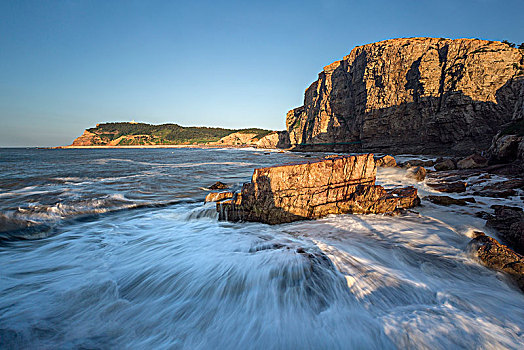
498	257
337	185
509	222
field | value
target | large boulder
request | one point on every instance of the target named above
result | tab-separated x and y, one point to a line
498	257
337	185
471	162
446	164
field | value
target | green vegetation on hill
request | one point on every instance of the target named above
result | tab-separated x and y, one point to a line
164	133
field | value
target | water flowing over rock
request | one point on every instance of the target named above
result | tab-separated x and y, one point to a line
416	95
336	185
498	257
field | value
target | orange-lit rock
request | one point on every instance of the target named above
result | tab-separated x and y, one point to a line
337	185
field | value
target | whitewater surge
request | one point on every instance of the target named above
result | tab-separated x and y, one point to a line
167	274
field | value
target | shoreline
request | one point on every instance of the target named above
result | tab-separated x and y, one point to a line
163	146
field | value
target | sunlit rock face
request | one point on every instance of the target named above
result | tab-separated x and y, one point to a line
416	95
336	185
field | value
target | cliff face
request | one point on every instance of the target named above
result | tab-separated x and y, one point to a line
418	95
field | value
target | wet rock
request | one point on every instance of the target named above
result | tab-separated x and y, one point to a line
449	187
446	200
471	162
498	257
337	185
443	165
386	162
483	215
218	196
418	173
218	186
509	222
417	162
502	189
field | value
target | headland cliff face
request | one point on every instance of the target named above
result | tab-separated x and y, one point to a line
416	95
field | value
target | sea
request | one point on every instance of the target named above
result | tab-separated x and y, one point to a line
115	249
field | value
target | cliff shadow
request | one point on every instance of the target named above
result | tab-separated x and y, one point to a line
449	123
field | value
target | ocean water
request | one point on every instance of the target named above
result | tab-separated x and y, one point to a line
115	249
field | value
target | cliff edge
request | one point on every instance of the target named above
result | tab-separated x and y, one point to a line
416	95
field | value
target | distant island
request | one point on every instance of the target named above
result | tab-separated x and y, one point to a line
142	134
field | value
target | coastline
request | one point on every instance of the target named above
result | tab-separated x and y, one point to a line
200	146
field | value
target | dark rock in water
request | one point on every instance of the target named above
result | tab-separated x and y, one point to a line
449	187
218	186
509	222
472	162
418	173
501	189
483	215
446	200
447	164
338	185
417	162
386	162
498	257
218	196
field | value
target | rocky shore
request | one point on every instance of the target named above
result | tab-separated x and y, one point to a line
346	185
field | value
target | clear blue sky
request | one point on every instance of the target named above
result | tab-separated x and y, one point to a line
67	65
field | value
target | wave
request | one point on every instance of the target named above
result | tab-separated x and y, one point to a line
37	221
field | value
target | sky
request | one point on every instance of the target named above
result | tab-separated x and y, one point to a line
67	65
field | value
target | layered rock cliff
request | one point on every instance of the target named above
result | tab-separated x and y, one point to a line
417	95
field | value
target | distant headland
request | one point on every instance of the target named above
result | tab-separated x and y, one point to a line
133	134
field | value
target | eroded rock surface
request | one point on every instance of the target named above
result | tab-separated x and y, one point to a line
416	95
337	185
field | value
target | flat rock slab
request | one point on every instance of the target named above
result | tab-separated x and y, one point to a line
446	200
336	185
449	187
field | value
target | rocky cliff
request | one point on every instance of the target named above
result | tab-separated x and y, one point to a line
417	95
